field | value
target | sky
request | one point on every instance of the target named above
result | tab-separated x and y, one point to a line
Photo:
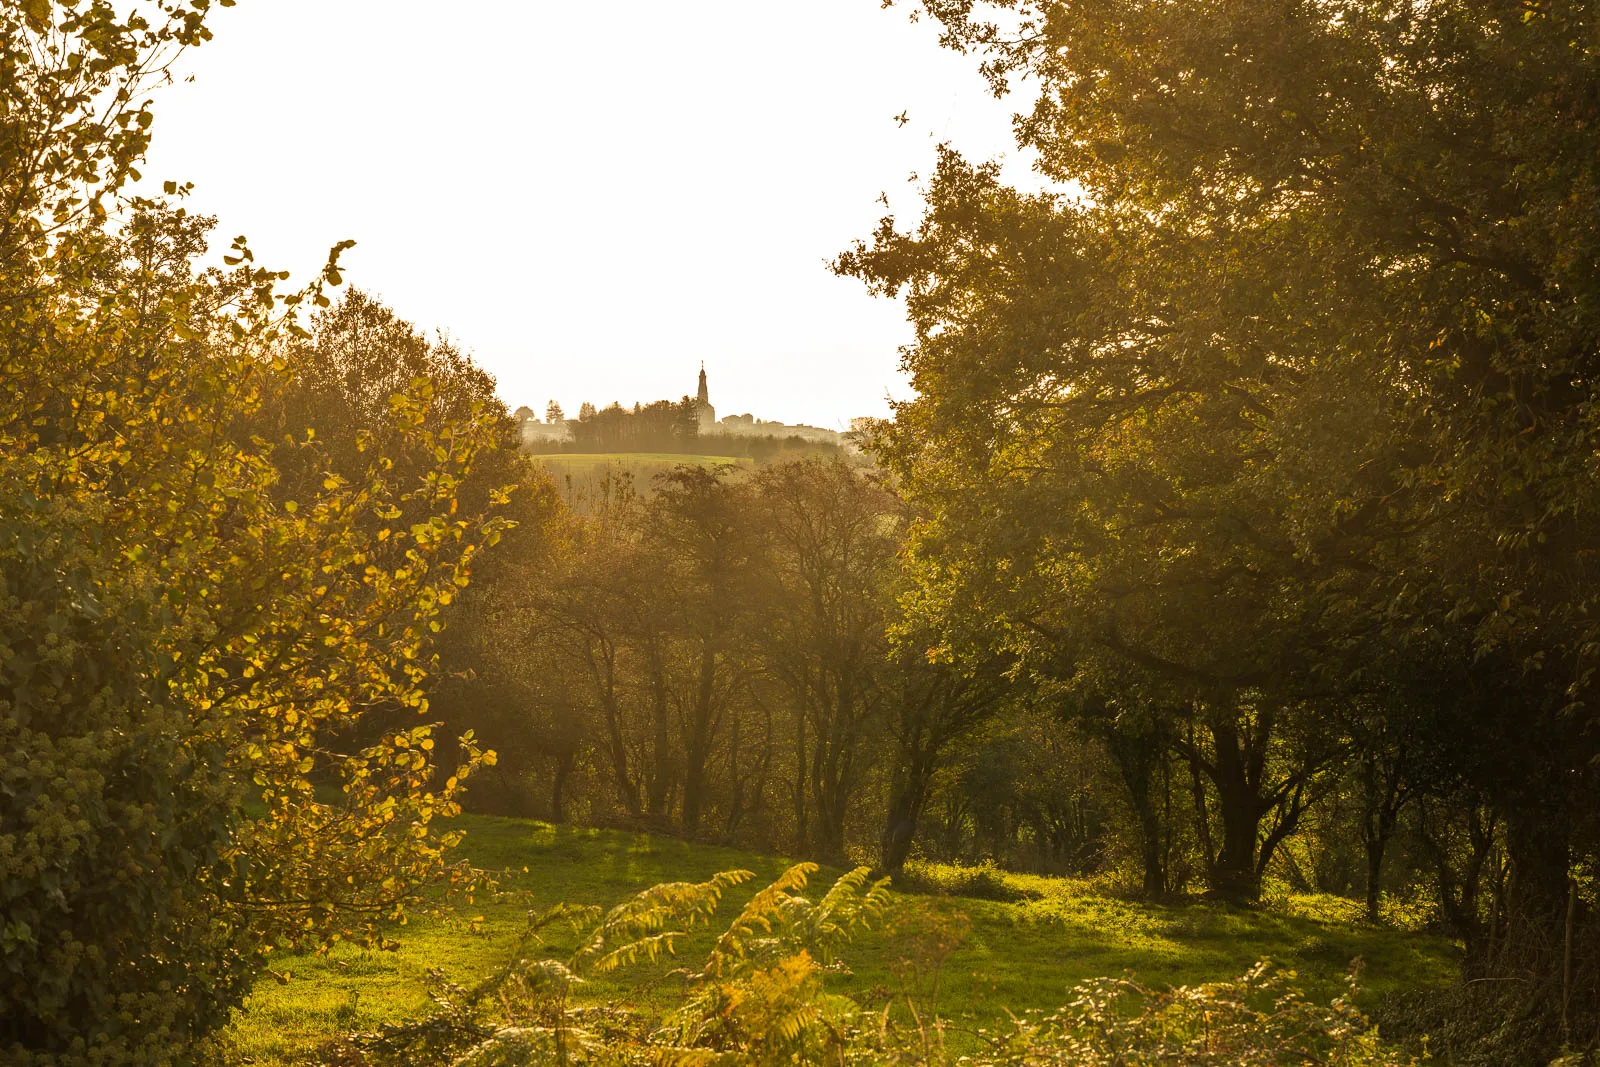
590	198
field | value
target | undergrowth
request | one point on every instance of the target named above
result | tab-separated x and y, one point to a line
971	961
759	999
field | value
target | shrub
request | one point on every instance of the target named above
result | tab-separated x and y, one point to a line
983	881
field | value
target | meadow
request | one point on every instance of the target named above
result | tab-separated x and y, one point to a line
970	960
580	476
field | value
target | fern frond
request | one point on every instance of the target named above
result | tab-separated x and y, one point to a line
645	948
791	1025
652	912
770	907
577	914
547	976
846	908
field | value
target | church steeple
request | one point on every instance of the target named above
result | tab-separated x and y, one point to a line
705	414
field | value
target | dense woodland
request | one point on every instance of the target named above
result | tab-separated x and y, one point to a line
1239	538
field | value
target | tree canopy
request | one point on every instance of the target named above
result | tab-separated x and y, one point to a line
1283	403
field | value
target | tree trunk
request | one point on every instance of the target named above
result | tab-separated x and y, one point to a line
1375	848
832	777
801	830
908	796
1384	793
697	743
558	788
658	784
1152	854
826	799
1538	846
1238	769
1202	808
735	782
605	669
1235	876
1138	754
1137	777
1458	889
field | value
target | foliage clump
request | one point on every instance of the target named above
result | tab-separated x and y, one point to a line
190	639
1257	1020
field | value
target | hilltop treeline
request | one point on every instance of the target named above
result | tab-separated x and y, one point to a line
671	428
663	426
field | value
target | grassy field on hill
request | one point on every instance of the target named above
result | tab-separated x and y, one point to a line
577	463
1025	953
578	474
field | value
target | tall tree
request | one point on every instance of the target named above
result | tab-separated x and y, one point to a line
1328	310
832	535
183	642
929	706
698	519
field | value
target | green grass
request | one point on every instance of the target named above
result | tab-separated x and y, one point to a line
586	463
1021	954
578	475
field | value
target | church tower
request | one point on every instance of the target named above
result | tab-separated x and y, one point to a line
706	414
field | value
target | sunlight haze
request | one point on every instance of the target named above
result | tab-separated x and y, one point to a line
592	200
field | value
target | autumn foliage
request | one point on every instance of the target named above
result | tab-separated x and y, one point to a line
186	640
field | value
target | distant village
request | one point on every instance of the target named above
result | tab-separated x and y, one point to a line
697	418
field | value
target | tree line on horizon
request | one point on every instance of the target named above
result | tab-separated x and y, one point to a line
670	427
660	426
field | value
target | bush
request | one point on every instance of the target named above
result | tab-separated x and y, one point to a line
984	881
113	941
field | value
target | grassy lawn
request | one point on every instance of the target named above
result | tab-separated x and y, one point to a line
1021	954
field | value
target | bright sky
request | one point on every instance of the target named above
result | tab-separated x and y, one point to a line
591	198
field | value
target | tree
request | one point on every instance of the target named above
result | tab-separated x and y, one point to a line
831	534
603	613
930	706
553	413
1326	317
697	518
183	641
1100	501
